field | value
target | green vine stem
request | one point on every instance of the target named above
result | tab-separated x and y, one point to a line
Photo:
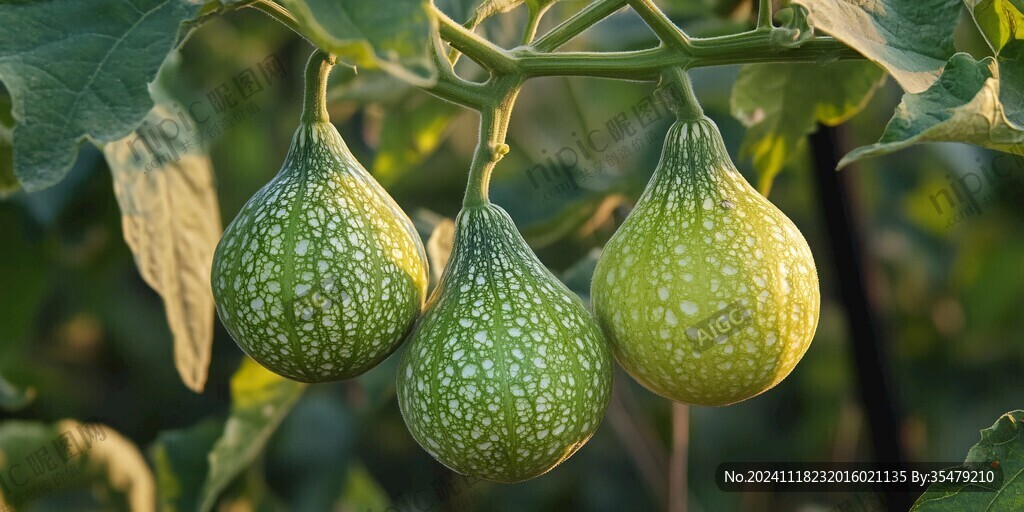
314	103
667	32
572	27
764	15
491	145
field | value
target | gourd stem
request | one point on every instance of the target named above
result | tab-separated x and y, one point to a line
686	106
314	104
491	145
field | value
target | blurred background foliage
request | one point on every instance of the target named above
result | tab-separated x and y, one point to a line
82	336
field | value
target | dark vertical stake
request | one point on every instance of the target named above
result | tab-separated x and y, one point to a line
871	361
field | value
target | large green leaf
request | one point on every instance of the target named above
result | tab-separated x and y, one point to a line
395	36
781	104
999	20
260	400
977	102
1002	444
911	39
78	70
38	459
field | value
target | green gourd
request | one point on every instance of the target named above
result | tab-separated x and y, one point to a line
707	292
507	374
321	275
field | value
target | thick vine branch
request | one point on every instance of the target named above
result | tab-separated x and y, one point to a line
745	48
484	52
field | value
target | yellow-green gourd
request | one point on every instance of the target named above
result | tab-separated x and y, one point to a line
707	292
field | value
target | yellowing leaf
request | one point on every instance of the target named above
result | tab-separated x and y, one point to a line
439	247
171	222
910	39
68	455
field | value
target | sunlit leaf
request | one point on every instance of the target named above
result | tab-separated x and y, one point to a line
972	102
69	455
911	40
78	70
781	104
260	400
410	132
171	222
1002	444
999	20
395	37
361	491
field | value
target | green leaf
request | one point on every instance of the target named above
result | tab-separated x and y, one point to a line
911	40
969	103
260	400
395	38
361	491
999	20
781	104
1002	444
179	459
69	455
171	222
410	132
12	398
78	70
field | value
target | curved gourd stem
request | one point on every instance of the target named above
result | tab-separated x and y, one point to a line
314	103
491	145
686	106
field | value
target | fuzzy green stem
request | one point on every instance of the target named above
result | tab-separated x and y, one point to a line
533	22
314	102
279	13
667	32
764	14
572	27
491	145
687	107
484	52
